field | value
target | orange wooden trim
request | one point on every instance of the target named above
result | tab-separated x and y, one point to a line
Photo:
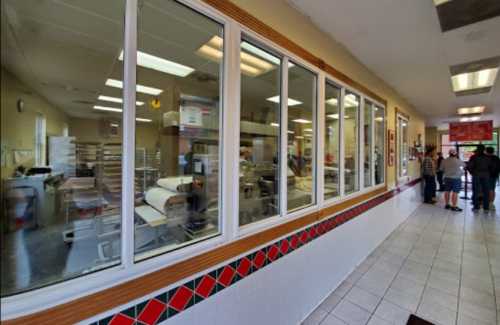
245	18
83	308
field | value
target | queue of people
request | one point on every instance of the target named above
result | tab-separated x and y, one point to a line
484	167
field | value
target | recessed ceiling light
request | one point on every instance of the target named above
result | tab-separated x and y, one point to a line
332	101
470	119
159	64
116	100
440	2
470	110
474	80
351	100
139	88
138	119
291	102
302	121
107	109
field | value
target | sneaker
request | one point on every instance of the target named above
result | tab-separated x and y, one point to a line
456	209
447	207
492	206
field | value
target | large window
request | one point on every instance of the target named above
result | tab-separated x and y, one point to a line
402	145
351	142
301	137
379	152
259	184
368	141
61	144
179	68
332	141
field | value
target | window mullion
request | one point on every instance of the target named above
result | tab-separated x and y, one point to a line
361	142
320	139
128	148
342	146
284	137
231	132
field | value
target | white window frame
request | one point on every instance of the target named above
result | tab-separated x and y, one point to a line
59	293
40	139
384	140
399	145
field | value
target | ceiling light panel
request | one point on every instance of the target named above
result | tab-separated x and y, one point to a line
139	88
291	102
440	2
107	109
116	100
302	121
149	61
470	119
474	80
470	110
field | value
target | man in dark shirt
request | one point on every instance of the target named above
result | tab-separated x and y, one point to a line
494	172
480	166
439	172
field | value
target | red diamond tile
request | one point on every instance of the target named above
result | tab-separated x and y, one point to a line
259	259
226	276
284	246
273	252
180	298
121	319
205	286
303	237
152	311
244	267
294	242
322	228
312	232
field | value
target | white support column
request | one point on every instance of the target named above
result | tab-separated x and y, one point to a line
284	137
128	147
230	135
342	146
320	142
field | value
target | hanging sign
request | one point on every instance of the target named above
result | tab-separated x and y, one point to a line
471	131
191	116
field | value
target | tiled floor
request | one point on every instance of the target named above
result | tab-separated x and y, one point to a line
440	265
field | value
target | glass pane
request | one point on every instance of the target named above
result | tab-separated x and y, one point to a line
332	98
179	74
60	199
403	146
351	143
259	134
301	103
379	145
367	129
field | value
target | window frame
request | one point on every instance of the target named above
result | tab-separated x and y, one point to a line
399	145
128	269
384	141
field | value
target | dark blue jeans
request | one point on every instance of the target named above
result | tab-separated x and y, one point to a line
429	188
481	186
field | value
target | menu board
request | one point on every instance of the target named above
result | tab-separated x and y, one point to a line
471	131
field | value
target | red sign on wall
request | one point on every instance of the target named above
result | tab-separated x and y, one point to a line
471	131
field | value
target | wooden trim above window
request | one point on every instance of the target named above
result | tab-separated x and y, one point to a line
245	18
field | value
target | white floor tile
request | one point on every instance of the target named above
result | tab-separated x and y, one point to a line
351	313
363	298
315	317
392	313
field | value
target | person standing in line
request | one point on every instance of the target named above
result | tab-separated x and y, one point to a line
439	172
494	173
429	173
451	167
480	167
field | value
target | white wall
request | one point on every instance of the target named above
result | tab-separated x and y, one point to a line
286	291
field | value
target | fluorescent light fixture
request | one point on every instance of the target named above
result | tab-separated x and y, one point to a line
299	137
302	121
474	80
291	132
115	100
139	88
351	100
470	119
291	102
308	130
263	54
149	61
107	109
332	101
470	110
334	116
275	124
440	2
115	125
138	119
379	119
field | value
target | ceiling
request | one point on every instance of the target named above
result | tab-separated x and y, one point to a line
401	41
